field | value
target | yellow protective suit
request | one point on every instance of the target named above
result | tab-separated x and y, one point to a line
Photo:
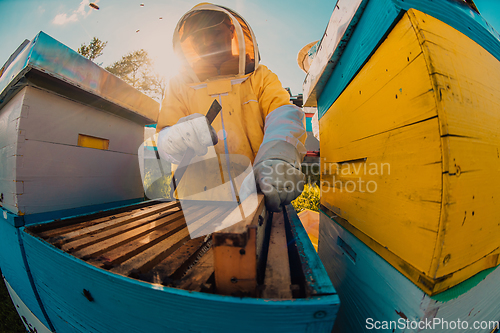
254	103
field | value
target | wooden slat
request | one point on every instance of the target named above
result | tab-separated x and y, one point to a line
86	231
277	280
67	229
56	228
176	262
116	256
199	273
132	228
173	267
151	231
154	253
205	224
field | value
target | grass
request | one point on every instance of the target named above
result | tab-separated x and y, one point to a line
9	319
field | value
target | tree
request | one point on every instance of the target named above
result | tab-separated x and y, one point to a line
93	50
133	68
136	68
156	85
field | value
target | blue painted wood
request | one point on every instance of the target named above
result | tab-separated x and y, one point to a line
10	218
461	17
376	22
327	53
362	280
67	213
47	55
316	276
120	304
14	270
371	289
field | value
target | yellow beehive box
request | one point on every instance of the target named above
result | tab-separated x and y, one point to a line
410	154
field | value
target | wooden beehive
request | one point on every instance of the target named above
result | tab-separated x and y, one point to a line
410	154
151	242
69	133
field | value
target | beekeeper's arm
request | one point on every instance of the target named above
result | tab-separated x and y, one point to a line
179	130
277	166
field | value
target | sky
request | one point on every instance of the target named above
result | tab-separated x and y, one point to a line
282	28
281	31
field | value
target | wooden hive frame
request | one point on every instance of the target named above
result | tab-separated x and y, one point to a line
151	242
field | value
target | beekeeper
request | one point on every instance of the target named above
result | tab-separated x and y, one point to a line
220	61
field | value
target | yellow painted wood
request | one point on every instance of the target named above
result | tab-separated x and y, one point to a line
92	142
419	128
467	84
385	122
400	207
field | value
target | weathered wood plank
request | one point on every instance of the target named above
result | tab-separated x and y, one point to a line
123	306
56	228
154	254
113	223
389	189
199	273
150	231
277	280
377	18
116	256
178	261
131	231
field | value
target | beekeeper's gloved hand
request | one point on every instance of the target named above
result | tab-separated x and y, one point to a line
277	173
192	131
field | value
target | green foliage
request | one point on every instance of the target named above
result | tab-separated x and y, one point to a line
136	68
161	186
93	50
9	319
309	199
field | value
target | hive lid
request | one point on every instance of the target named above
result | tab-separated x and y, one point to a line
338	32
49	64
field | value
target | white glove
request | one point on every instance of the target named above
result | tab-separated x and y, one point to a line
277	174
192	132
279	181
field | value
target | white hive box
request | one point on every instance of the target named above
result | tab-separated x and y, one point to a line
69	132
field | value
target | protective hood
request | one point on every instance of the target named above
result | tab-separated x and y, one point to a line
240	58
